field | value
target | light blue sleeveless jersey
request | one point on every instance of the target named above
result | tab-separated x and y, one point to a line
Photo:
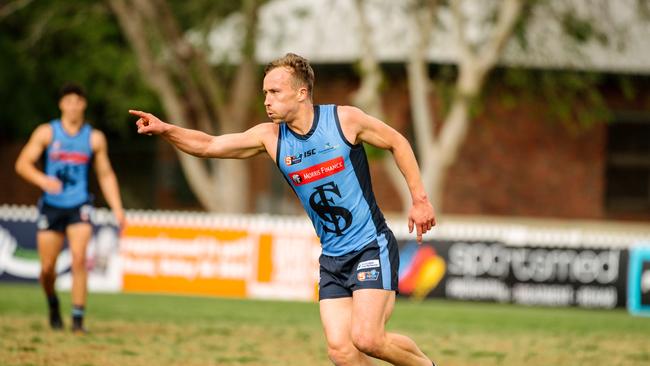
332	180
68	158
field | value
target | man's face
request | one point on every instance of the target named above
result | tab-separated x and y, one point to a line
281	97
72	105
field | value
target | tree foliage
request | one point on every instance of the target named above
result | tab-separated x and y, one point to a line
44	44
193	93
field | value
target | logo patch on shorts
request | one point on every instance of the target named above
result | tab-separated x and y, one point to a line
371	275
373	263
84	212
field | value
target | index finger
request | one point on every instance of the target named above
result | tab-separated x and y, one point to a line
140	114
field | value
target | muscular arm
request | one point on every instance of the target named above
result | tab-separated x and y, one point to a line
106	176
231	146
360	127
29	155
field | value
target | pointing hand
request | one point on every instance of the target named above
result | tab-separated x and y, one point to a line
148	123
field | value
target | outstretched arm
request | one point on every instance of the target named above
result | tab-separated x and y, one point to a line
106	176
365	128
235	146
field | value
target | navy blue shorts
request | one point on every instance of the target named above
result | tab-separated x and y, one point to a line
375	266
57	219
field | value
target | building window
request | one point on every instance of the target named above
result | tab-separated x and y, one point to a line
628	165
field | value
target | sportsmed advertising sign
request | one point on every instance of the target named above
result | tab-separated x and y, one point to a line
530	275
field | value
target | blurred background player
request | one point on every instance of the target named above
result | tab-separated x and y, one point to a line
319	149
69	145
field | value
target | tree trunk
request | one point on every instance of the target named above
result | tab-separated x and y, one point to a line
191	95
368	98
419	86
474	64
436	152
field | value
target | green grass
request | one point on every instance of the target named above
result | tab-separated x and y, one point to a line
23	253
129	329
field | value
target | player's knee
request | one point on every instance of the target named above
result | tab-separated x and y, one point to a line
47	271
338	357
78	263
342	354
370	344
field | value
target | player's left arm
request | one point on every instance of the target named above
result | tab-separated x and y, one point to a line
106	176
362	127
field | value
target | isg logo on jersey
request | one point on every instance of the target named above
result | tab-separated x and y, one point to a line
638	289
296	159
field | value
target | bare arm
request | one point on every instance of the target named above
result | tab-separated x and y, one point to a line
106	176
364	128
29	155
234	146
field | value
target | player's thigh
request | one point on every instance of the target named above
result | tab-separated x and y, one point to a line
370	310
49	244
336	316
79	235
390	305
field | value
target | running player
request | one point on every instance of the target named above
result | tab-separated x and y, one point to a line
69	145
319	150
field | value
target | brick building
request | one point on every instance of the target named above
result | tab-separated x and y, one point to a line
518	159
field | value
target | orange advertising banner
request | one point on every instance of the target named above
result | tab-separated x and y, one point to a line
221	261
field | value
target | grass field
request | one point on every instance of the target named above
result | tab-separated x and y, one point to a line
129	329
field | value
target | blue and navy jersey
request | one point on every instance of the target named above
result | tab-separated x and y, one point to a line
331	178
67	158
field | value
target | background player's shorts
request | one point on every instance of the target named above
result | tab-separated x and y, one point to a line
375	266
57	219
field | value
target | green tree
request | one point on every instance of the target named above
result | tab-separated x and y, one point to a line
194	94
44	44
130	54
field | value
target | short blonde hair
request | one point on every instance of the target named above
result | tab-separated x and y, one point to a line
303	74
